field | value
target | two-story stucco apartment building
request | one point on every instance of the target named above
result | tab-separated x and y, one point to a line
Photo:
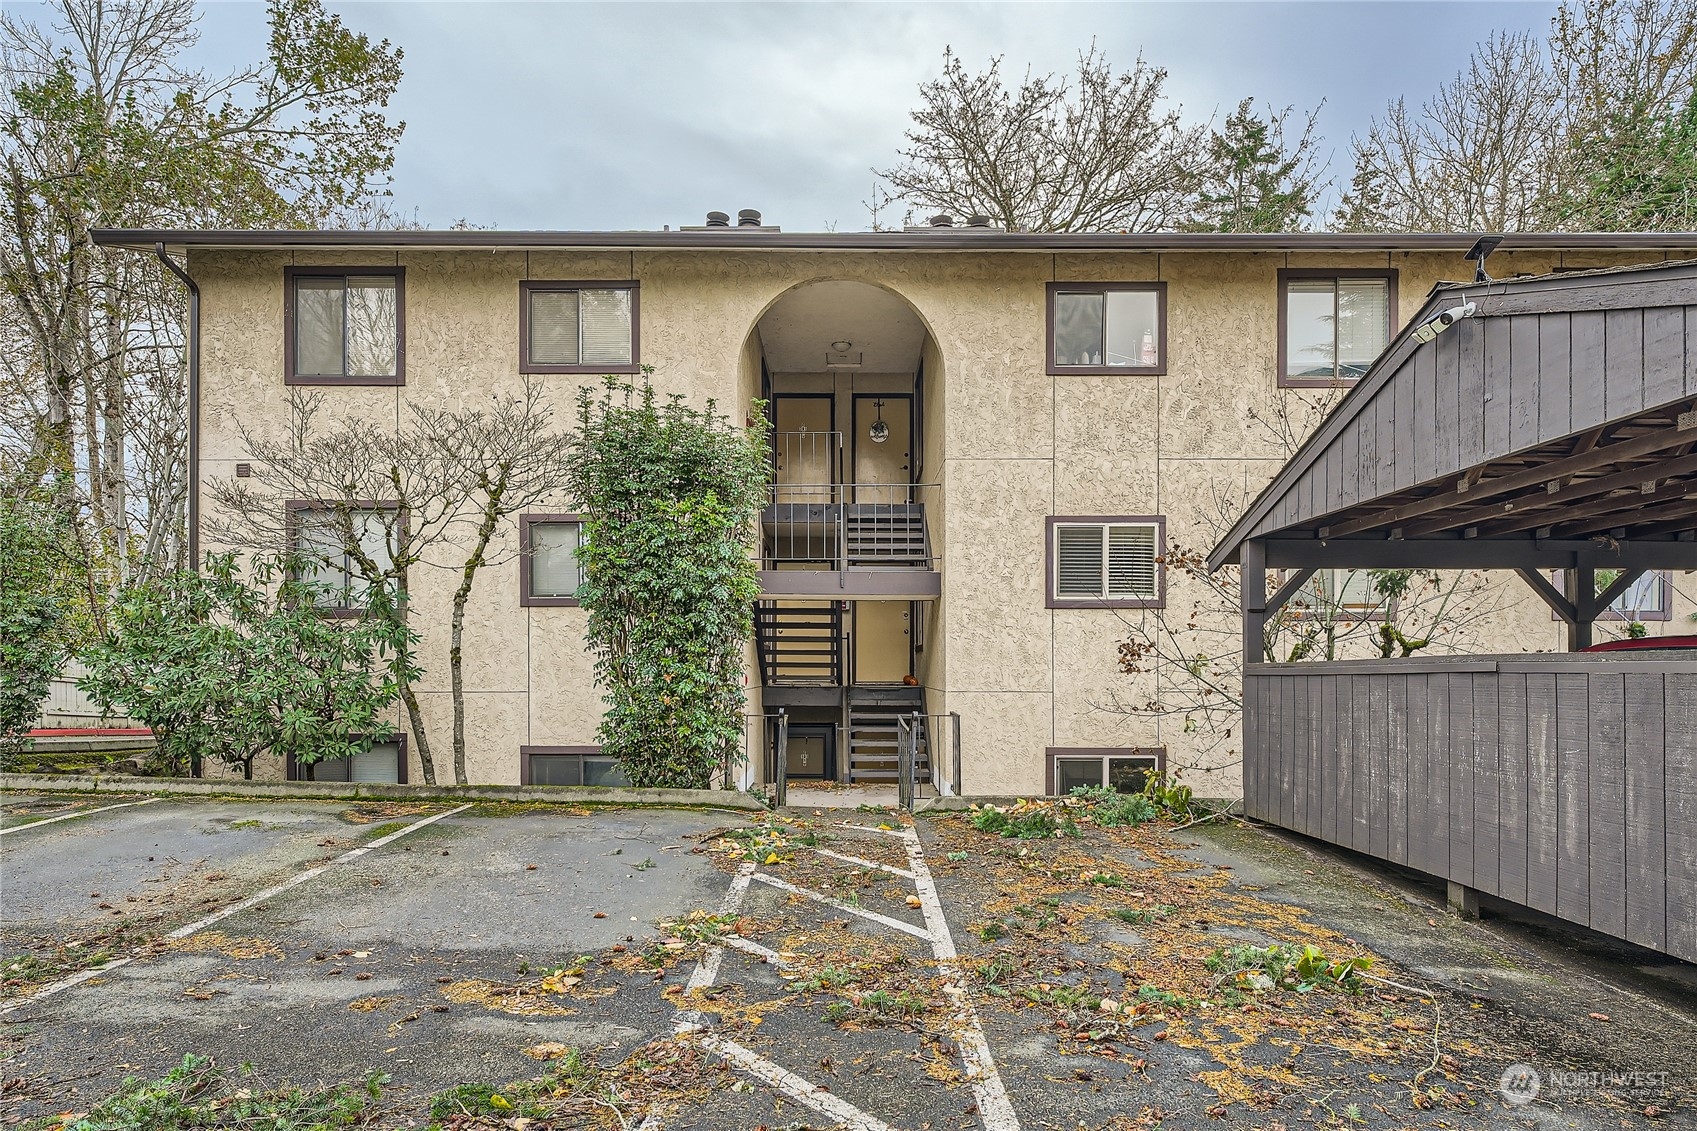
983	443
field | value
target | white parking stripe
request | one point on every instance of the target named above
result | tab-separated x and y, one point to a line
861	863
68	816
793	1086
994	1108
254	900
885	920
993	1105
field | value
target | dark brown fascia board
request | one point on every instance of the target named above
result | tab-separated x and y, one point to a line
1402	345
948	239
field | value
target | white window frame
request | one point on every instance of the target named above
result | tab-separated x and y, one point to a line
1154	599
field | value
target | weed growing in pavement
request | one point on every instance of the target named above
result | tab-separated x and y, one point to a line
993	930
876	1007
995	975
1112	809
1155	995
1022	821
645	865
1301	968
572	1077
958	857
766	844
197	1093
1140	915
700	927
828	978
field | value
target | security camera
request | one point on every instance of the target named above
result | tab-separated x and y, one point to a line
1443	321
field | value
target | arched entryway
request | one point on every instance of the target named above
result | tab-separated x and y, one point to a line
848	560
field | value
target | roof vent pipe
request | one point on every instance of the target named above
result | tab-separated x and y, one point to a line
718	220
748	218
942	220
978	221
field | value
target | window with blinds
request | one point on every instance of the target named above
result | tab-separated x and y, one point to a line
1108	561
552	570
345	328
1334	325
576	328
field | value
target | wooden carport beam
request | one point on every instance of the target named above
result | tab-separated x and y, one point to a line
1657	441
1551	595
1684	508
1620	505
1535	511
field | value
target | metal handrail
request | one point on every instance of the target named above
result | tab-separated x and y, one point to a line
811	523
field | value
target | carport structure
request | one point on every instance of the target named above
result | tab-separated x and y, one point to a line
1552	428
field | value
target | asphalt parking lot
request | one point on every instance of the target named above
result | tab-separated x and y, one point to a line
853	970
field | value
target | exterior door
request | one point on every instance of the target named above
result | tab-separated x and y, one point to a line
883	468
806	448
883	641
812	751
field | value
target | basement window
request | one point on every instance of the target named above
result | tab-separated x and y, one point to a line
344	327
1106	328
569	765
578	327
1122	769
1112	562
384	762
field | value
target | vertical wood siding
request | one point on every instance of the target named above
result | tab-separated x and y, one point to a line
1491	386
1564	783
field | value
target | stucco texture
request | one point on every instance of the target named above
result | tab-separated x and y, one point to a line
1006	443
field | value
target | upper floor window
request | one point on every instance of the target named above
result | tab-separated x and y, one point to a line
345	326
335	541
578	328
549	572
1650	597
1343	594
1332	324
1107	328
1097	562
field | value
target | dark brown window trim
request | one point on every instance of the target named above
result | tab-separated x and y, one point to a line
292	509
290	274
1159	753
1158	521
525	753
292	769
525	599
1286	274
526	286
1159	290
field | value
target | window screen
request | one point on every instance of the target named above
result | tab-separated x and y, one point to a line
1124	773
346	326
1111	561
554	568
580	327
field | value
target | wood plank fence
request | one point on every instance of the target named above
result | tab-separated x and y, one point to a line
1565	783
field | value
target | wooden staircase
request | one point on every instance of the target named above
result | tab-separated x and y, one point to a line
872	733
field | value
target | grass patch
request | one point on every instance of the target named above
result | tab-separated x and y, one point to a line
197	1093
1138	916
573	1076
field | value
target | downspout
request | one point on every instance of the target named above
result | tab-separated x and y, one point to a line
193	391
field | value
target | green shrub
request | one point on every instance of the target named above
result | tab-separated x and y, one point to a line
669	496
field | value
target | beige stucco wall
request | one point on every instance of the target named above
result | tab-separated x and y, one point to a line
1006	443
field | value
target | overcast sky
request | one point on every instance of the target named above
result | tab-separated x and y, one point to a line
633	115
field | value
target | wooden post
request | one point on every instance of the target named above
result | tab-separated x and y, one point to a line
1253	587
1581	589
